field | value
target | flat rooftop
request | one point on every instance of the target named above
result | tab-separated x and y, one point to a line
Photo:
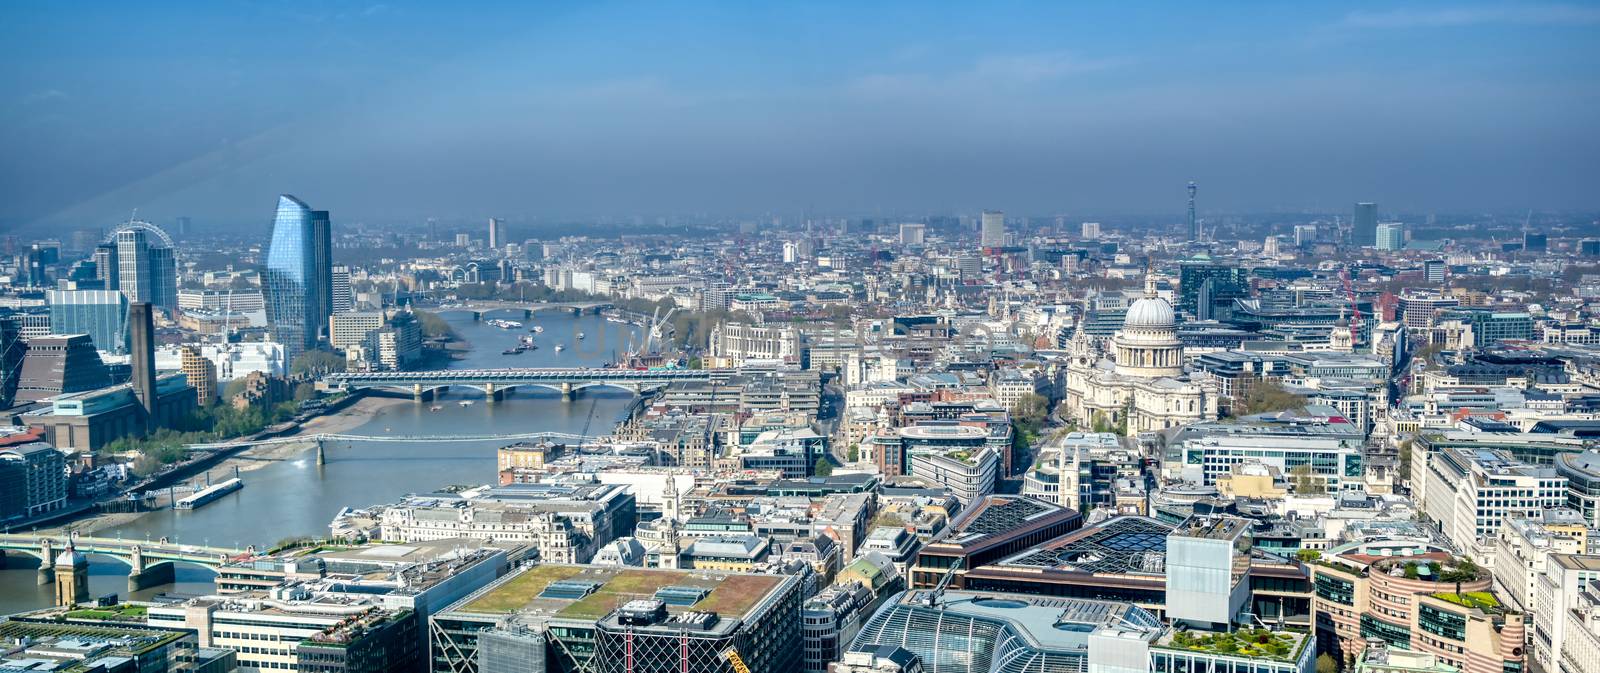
588	592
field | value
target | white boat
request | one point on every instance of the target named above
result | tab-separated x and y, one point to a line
580	335
537	329
466	403
560	348
435	408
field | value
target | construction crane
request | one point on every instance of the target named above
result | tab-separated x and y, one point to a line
732	655
1355	310
944	582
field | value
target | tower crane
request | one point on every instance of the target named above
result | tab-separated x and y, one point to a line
1355	310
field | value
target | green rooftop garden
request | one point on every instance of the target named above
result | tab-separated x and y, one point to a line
520	590
1478	600
626	586
731	595
134	613
1257	643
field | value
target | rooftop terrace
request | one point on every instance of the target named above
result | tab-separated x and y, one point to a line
591	592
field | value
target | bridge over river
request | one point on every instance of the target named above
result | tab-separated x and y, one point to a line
496	382
149	563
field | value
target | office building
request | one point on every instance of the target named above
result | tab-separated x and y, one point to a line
1419	310
35	478
566	524
732	344
494	234
986	531
291	277
1304	235
1390	236
956	457
1470	491
1203	287
142	337
1589	247
1364	225
1582	472
101	314
321	267
1533	242
611	619
45	641
201	373
1089	230
1434	270
913	233
993	233
1412	602
1207	566
231	360
353	329
343	299
12	349
146	271
107	270
1326	464
989	631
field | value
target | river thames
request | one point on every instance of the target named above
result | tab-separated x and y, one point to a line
296	497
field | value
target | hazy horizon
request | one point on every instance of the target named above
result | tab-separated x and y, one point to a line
401	111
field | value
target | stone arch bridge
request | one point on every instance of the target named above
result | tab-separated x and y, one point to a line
495	383
149	563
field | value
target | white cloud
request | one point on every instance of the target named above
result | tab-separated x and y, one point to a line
44	96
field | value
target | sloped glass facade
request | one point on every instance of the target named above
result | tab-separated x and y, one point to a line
290	274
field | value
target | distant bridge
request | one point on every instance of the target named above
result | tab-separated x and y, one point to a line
149	563
479	307
496	382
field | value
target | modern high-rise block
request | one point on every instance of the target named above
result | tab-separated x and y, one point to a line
1390	236
343	299
494	233
145	268
106	268
1364	228
291	276
101	314
993	234
1090	230
321	266
12	348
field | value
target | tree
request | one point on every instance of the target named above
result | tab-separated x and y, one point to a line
1308	555
1405	459
1269	395
316	363
433	326
1305	483
1464	571
855	452
823	468
1327	664
305	391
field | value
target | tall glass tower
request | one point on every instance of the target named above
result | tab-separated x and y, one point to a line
292	299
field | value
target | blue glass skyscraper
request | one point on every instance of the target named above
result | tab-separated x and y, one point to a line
291	277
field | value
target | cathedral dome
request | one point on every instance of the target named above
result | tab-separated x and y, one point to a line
1150	313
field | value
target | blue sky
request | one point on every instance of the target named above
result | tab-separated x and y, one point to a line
401	111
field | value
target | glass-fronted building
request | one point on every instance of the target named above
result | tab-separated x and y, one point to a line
101	314
290	277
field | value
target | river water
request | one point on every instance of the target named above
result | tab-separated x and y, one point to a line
296	497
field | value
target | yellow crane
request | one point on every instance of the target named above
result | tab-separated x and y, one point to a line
732	655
